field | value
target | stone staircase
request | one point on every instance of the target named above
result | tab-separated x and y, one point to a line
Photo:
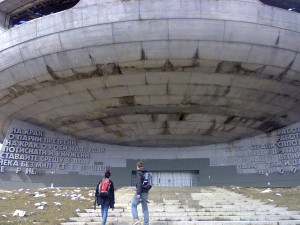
192	206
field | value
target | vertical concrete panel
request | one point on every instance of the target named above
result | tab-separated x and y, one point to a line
87	36
19	73
289	40
210	50
192	29
6	79
26	31
37	47
10	57
72	18
156	49
149	30
243	33
36	67
125	52
90	15
277	17
126	11
271	56
296	64
2	22
128	52
50	24
102	54
229	10
68	59
156	9
235	52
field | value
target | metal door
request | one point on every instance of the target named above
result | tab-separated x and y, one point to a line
155	179
172	178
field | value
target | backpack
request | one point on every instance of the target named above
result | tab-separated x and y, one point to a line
147	181
104	187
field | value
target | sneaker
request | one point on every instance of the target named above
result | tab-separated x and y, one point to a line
136	221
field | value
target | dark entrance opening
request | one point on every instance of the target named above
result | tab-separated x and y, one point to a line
172	178
292	5
37	9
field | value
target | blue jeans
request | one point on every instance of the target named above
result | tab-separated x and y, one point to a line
104	212
134	204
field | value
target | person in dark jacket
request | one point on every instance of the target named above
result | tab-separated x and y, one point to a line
141	196
108	200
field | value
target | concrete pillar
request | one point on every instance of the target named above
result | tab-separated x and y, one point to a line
2	22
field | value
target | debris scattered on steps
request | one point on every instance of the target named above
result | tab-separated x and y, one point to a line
268	190
19	213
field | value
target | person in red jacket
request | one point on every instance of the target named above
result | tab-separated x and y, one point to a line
105	198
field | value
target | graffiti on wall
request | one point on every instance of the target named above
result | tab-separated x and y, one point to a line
277	153
33	151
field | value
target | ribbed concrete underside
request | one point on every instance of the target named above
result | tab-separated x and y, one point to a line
140	107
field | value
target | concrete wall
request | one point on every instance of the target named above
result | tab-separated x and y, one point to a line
34	156
2	22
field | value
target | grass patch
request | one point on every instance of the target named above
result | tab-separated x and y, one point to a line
280	196
52	213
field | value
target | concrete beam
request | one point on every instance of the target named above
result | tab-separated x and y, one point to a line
2	22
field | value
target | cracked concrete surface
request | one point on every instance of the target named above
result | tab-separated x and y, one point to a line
168	73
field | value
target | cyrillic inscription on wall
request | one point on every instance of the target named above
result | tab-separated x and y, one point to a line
277	153
36	151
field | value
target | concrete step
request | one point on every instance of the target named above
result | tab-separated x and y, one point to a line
177	217
208	211
214	206
288	222
229	208
195	213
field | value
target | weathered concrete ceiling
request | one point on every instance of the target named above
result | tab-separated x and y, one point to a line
141	73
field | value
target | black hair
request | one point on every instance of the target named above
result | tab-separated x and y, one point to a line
107	174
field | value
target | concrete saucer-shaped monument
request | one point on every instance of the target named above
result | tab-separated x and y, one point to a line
206	92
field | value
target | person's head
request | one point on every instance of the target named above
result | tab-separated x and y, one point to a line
107	174
139	165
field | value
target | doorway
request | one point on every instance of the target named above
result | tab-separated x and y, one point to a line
172	178
168	179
